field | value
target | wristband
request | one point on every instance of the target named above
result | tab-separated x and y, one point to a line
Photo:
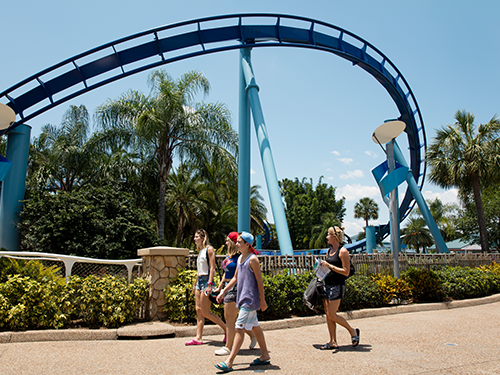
211	283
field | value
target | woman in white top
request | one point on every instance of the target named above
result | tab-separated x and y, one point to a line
203	286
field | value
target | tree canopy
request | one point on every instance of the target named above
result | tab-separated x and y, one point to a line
307	207
467	157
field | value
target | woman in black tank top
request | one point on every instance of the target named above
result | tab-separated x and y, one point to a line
337	259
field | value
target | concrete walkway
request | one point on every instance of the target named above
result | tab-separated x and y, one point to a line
462	337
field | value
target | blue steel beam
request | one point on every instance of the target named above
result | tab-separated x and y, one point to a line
266	156
121	58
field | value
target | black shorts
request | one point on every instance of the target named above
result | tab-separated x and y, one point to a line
334	292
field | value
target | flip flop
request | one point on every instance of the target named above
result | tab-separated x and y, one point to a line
258	362
327	346
193	342
355	339
223	367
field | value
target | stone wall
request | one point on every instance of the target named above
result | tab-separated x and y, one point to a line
159	266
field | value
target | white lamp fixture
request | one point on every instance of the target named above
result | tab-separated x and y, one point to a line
7	116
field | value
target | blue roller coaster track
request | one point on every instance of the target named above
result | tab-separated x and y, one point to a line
156	47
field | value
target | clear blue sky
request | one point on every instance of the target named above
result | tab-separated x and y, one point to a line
319	109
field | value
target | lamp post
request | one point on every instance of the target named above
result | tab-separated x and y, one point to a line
387	134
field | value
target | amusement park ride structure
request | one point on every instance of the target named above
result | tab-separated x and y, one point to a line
130	55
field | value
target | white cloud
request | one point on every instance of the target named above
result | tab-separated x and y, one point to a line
336	153
448	196
329	169
371	154
358	173
252	171
351	228
357	191
347	161
329	178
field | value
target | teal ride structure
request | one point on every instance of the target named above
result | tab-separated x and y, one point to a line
163	45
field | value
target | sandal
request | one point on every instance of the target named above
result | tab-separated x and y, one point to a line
193	342
327	346
223	367
258	362
355	339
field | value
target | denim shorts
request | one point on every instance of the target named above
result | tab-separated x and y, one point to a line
334	292
230	296
202	282
247	319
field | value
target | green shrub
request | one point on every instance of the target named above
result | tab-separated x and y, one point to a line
425	285
180	304
108	301
361	292
32	268
284	295
26	303
466	282
392	288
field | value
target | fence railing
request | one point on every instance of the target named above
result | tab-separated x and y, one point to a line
366	264
72	265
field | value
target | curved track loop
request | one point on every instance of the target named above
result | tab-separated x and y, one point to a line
149	49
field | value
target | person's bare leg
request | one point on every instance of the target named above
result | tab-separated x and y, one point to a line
238	341
205	308
200	319
230	314
333	307
259	334
332	326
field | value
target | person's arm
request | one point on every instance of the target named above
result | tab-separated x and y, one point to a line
194	285
344	257
255	266
232	283
211	262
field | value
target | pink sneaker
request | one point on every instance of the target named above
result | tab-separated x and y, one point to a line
193	342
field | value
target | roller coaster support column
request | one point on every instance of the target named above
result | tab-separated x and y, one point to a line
266	155
394	210
18	142
370	239
424	209
244	152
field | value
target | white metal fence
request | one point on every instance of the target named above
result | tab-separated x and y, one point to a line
72	265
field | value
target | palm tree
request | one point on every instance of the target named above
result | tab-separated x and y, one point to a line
318	232
168	123
366	209
183	202
61	158
467	157
416	234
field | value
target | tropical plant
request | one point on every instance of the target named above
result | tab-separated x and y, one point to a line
366	209
416	234
467	218
92	222
168	123
61	159
306	206
467	157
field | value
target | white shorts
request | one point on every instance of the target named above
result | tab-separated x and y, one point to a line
247	319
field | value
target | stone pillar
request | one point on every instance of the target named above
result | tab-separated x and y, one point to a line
160	265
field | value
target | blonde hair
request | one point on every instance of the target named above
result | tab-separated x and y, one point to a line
338	233
203	234
232	249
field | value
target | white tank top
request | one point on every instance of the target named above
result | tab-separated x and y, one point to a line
202	262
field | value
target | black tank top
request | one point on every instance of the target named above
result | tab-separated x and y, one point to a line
333	277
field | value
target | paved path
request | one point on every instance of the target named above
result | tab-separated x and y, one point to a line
463	340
